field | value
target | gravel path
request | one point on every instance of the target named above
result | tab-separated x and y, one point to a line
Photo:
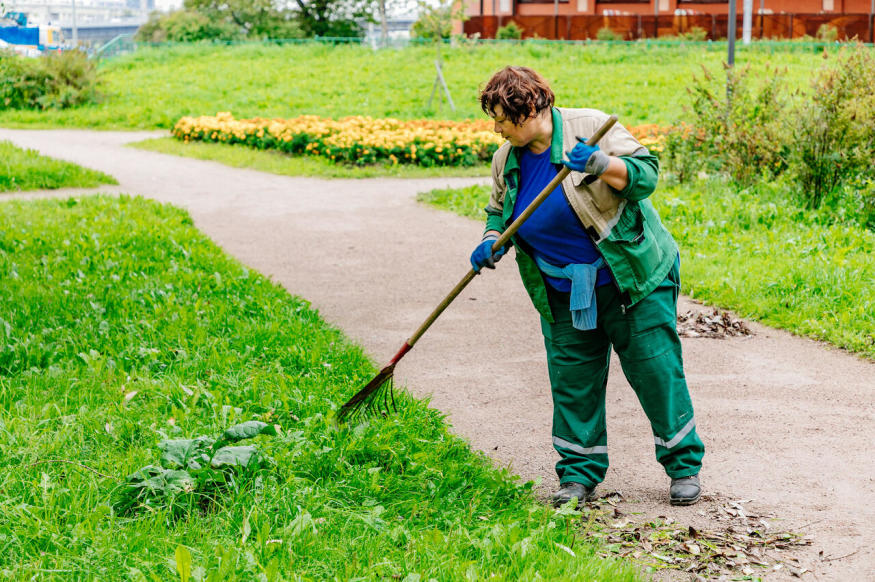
788	423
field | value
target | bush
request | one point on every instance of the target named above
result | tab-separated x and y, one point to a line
510	31
827	33
696	34
54	81
740	127
607	33
184	26
838	123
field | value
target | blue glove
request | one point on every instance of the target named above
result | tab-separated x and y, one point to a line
586	158
483	255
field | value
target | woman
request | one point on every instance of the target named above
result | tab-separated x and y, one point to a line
601	270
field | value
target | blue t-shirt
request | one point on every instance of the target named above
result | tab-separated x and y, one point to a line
553	232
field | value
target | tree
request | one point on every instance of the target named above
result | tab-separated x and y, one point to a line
435	22
254	18
340	18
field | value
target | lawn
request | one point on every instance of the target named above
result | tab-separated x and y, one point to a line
154	87
755	252
123	326
27	170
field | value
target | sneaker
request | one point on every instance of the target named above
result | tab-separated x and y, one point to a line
685	490
569	491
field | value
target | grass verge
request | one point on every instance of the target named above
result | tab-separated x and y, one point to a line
756	253
154	87
122	325
239	156
22	169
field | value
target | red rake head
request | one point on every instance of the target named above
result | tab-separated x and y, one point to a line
372	400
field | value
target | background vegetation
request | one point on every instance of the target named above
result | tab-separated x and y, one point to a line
53	81
154	87
27	170
122	326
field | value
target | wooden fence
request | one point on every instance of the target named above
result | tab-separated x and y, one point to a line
632	27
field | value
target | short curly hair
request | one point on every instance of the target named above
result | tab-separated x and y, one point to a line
521	92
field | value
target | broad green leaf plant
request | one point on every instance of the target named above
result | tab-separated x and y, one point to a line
194	472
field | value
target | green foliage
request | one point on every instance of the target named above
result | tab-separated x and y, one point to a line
827	33
196	473
740	125
53	81
835	159
468	201
254	19
185	26
121	325
28	170
756	252
155	86
435	21
607	33
695	34
510	31
334	18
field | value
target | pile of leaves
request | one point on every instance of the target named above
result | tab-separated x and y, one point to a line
193	473
746	546
717	324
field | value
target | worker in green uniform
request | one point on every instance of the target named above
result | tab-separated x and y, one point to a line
601	270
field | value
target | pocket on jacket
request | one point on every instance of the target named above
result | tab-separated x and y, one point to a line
636	243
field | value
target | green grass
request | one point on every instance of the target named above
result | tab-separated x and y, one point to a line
122	325
28	170
757	254
154	87
278	163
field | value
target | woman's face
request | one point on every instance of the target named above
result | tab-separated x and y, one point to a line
518	135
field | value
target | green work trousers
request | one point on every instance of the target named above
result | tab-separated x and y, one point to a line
646	341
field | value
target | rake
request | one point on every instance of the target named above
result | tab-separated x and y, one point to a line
378	396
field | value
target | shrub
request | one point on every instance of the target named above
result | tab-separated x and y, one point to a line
184	26
696	34
838	123
740	127
606	33
54	81
827	33
510	31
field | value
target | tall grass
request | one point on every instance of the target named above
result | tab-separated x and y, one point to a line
156	86
22	169
122	325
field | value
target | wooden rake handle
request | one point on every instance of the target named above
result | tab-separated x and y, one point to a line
504	238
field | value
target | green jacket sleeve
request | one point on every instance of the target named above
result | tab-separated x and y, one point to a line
643	174
494	219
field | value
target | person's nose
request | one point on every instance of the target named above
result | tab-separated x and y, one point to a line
496	128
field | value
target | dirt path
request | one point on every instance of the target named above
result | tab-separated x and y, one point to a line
788	423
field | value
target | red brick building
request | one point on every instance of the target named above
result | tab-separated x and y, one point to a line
580	19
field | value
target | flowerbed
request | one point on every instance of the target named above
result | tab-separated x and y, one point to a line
363	140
